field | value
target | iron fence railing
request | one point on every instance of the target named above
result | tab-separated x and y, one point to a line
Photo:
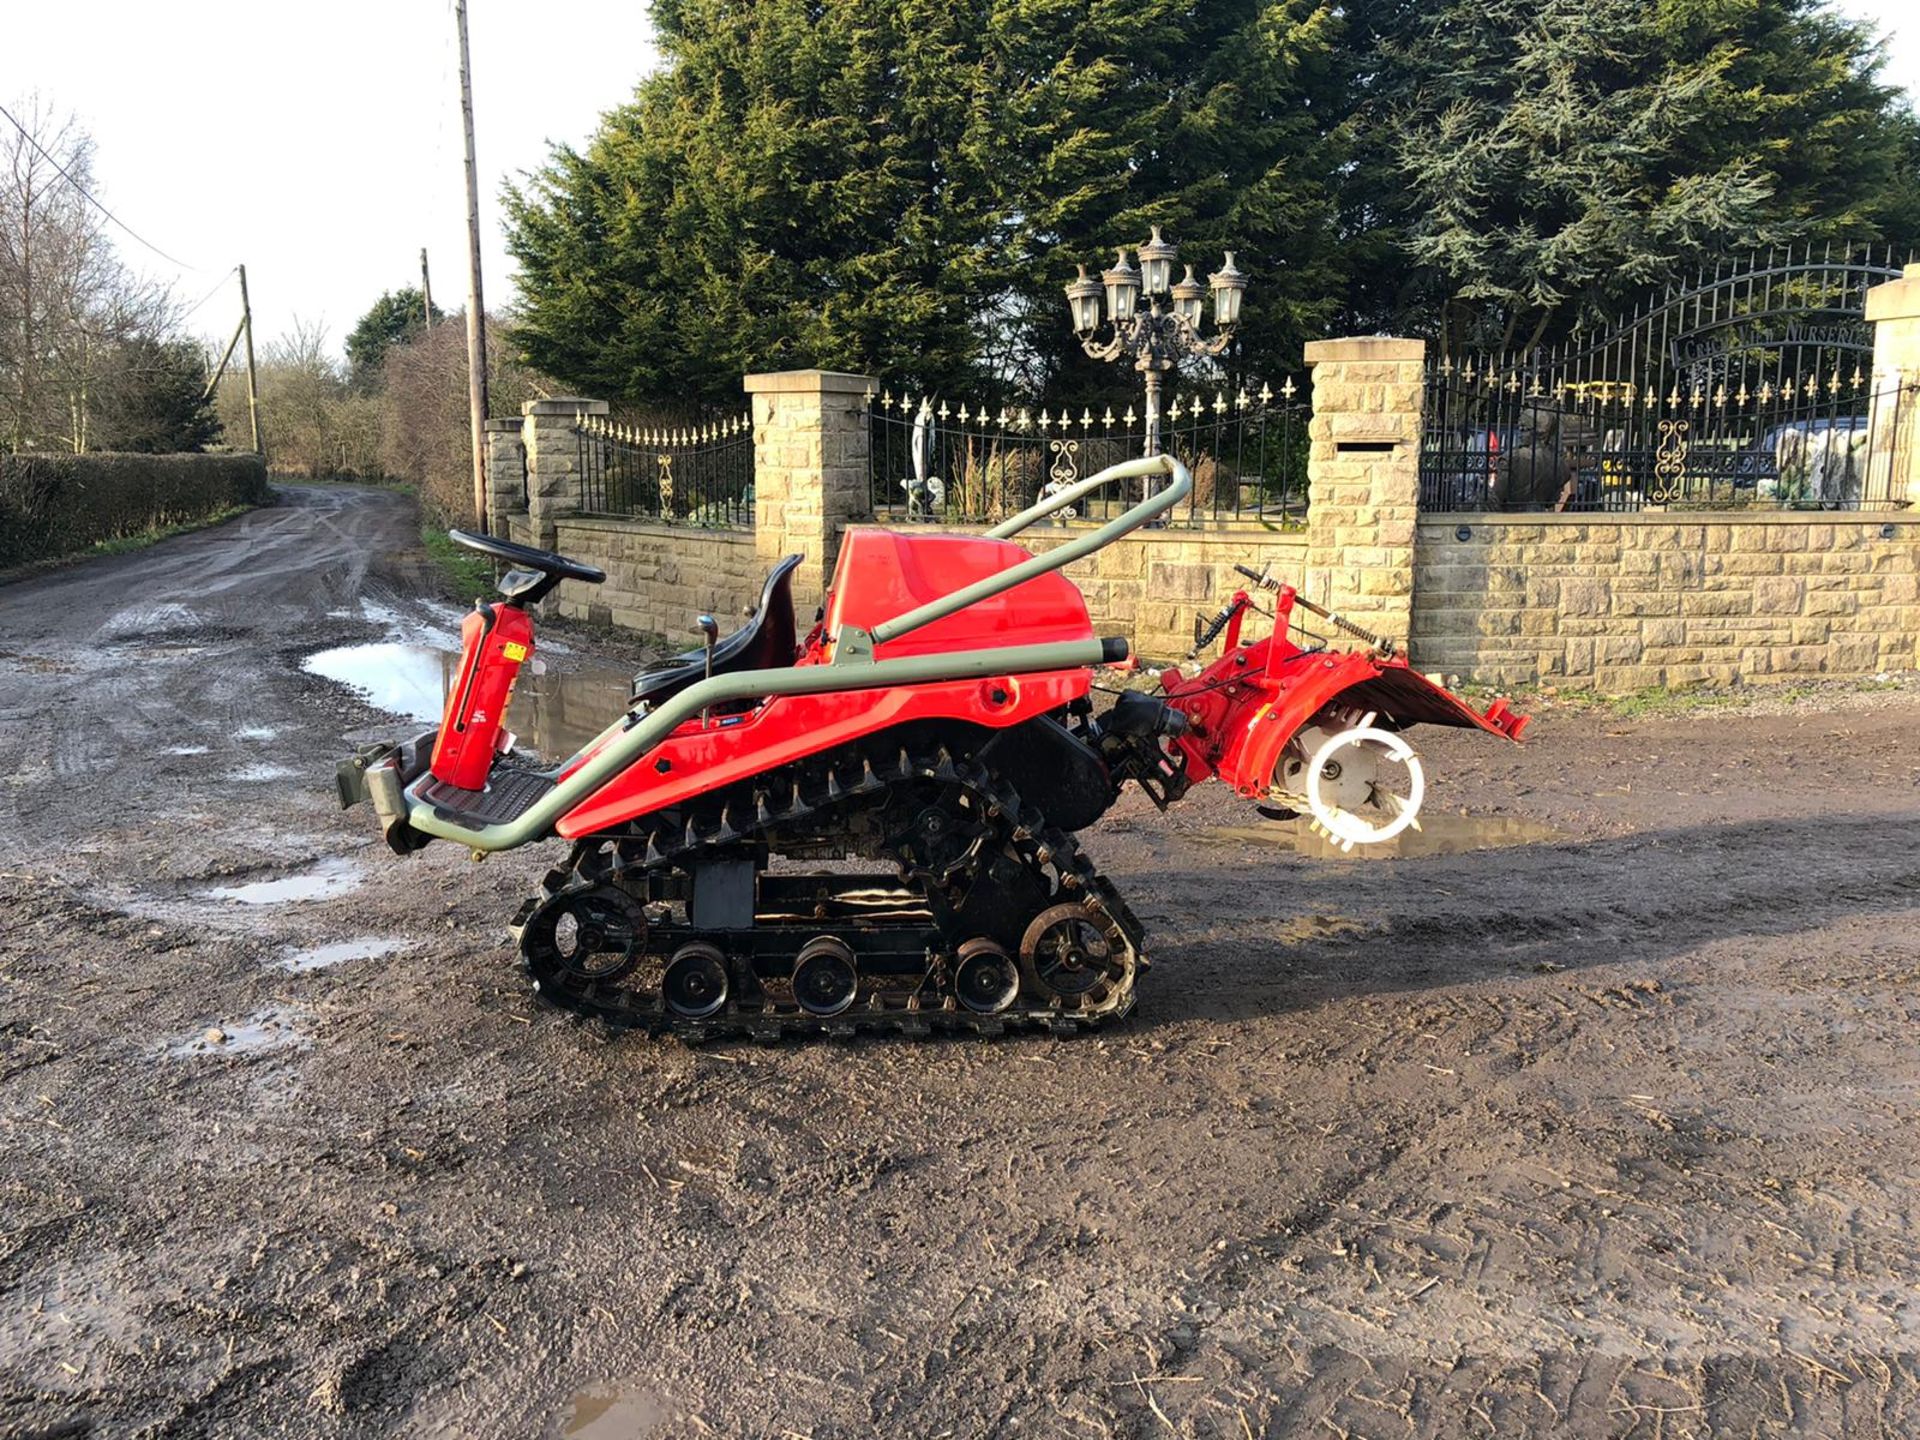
936	460
1511	440
698	475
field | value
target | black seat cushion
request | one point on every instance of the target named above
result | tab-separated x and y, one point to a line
767	641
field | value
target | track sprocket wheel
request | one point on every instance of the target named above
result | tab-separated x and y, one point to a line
1072	956
590	935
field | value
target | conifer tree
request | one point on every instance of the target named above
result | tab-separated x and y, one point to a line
904	188
1560	157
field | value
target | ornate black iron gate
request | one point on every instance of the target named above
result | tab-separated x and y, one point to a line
1753	386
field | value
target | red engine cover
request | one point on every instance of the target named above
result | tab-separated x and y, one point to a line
884	573
880	574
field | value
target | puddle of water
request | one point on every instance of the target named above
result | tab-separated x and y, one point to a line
1437	835
256	732
406	679
188	750
259	772
610	1412
553	714
322	881
268	1030
323	957
380	614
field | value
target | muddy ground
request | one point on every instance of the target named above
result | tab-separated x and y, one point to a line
1611	1131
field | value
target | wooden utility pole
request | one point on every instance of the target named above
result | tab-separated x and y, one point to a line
253	388
426	289
220	370
476	306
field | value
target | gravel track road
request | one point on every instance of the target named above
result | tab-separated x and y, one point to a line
1607	1132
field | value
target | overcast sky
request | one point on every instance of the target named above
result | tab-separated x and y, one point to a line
321	143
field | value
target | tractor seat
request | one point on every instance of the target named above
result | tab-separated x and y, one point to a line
767	641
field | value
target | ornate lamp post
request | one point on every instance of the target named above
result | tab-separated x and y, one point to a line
1167	329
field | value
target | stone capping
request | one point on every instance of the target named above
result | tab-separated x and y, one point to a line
623	525
1240	536
806	382
499	425
1896	299
1473	519
1369	348
568	405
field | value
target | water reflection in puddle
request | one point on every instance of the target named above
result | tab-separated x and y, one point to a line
1437	835
268	1030
319	882
609	1412
553	714
322	957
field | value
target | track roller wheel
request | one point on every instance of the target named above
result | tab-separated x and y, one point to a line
985	977
694	986
826	977
1071	955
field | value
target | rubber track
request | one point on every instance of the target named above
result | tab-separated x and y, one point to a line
808	792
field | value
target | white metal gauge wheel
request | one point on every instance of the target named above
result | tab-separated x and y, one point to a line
1354	768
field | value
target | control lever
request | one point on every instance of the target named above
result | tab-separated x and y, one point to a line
710	628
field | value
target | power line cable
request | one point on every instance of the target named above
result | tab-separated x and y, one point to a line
87	196
219	285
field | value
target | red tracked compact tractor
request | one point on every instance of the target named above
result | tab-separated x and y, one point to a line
937	719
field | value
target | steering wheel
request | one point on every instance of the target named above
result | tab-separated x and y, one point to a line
556	567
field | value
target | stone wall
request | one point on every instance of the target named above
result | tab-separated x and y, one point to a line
1616	602
1626	601
1149	586
659	577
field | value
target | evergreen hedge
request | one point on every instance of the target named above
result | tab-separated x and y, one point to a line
56	504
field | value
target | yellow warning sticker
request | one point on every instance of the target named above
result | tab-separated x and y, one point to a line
514	651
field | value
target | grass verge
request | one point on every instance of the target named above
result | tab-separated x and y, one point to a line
122	544
126	544
467	573
1660	703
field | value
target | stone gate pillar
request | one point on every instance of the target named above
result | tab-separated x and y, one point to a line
1363	474
506	476
810	447
553	460
1893	423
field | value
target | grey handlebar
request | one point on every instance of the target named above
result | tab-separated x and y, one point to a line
1150	508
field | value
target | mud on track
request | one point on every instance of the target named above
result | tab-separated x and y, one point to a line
1608	1134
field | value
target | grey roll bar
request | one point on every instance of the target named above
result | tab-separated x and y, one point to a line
1150	508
